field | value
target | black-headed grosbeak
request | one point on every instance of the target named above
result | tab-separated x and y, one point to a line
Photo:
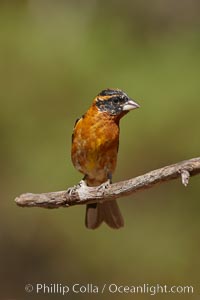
95	143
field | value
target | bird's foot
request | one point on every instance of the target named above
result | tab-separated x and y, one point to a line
72	190
104	186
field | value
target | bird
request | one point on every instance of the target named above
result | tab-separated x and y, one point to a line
95	143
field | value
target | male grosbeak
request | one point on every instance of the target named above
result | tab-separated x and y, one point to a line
95	142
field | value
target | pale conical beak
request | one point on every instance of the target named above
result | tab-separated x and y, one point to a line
130	104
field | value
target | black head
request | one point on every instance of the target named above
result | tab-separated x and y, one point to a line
111	92
114	102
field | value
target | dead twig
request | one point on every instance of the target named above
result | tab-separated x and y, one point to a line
84	195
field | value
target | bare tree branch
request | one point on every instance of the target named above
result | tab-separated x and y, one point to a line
85	194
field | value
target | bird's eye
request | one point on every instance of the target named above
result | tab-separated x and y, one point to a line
116	100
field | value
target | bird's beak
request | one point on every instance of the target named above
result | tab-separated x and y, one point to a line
130	104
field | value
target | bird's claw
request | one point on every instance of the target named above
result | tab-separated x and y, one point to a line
72	190
104	186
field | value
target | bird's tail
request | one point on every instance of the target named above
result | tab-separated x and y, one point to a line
107	212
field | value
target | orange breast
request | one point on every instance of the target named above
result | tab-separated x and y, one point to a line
95	146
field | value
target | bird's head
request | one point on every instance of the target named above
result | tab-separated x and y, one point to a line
114	102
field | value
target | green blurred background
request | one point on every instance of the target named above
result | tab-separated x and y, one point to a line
55	56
